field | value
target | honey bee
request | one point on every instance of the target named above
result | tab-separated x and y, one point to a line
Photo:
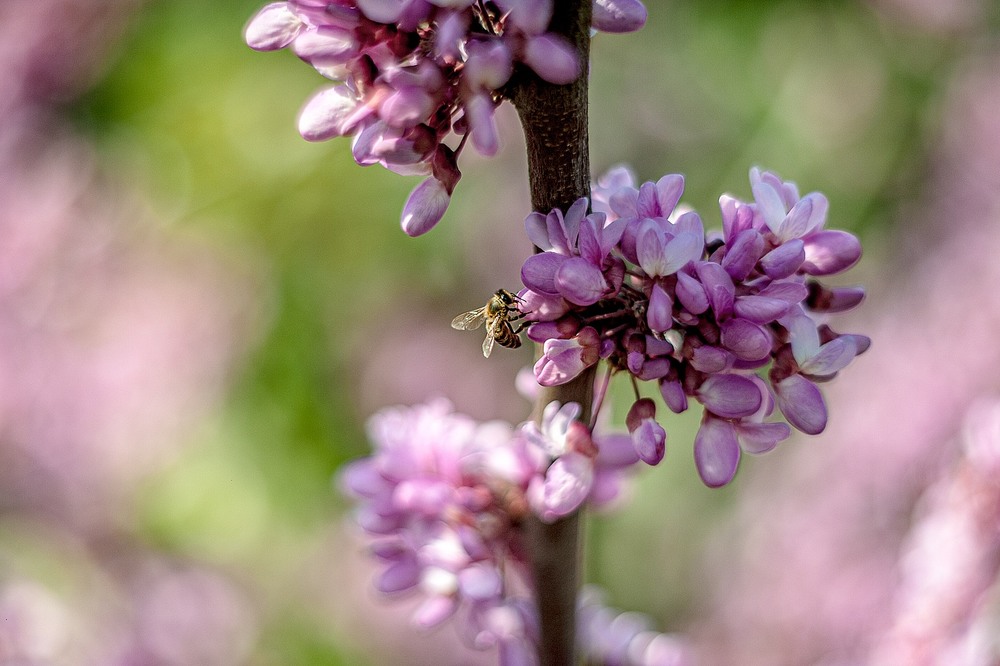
497	314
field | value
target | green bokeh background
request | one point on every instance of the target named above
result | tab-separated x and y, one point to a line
832	94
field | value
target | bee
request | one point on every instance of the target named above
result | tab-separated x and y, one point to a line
498	314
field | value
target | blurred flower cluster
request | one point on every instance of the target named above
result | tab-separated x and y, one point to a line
952	558
614	638
638	283
441	494
445	497
411	72
115	339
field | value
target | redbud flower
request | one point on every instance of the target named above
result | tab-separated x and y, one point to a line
648	437
562	360
618	15
425	207
573	467
409	73
440	496
640	285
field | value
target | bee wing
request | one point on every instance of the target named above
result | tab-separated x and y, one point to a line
469	321
491	331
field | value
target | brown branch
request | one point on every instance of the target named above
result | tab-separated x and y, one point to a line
554	119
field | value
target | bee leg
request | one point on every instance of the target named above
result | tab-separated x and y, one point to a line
523	325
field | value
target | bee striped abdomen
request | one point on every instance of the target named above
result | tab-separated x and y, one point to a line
505	335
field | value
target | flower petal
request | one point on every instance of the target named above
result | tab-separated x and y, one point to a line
830	358
829	252
329	113
659	313
716	452
711	359
273	27
539	272
729	395
760	309
650	440
650	248
433	611
747	340
325	46
795	224
567	484
769	200
618	16
579	281
537	231
552	58
784	260
485	138
691	294
615	451
761	437
743	253
680	250
836	299
802	404
674	396
382	11
718	287
668	190
399	576
425	207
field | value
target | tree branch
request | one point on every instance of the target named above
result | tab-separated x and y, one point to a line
554	119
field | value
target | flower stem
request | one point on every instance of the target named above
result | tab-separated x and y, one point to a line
554	119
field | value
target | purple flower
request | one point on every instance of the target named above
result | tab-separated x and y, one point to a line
563	360
273	27
716	451
425	207
564	487
618	15
639	285
729	396
802	404
410	73
663	248
789	217
553	58
571	466
648	437
427	494
559	432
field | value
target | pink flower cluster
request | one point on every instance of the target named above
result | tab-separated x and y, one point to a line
444	497
411	72
639	284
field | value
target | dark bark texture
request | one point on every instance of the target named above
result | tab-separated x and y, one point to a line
554	119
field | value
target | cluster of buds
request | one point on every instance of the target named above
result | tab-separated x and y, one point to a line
639	284
412	72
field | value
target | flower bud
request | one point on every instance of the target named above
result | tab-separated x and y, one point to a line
648	437
716	452
618	16
425	207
